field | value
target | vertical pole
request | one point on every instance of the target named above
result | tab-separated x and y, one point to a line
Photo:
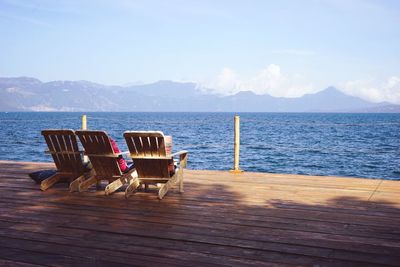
84	127
236	145
84	122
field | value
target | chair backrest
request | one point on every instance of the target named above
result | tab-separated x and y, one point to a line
148	153
63	147
101	154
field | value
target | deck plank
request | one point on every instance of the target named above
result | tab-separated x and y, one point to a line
222	219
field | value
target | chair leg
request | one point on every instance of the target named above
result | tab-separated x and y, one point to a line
181	186
165	187
74	185
115	185
133	185
87	183
181	182
163	190
45	184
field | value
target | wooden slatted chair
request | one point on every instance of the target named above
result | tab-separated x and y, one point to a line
105	162
147	150
63	147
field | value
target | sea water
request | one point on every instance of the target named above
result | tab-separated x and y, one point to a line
355	145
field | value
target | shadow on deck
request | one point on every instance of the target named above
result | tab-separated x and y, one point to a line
220	220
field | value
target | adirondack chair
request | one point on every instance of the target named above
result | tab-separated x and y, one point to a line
63	147
105	162
147	150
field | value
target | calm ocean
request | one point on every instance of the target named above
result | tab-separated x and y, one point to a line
357	145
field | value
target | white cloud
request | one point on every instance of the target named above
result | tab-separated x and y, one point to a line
269	80
375	91
273	81
227	82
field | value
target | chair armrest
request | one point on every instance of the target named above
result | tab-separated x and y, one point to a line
182	158
114	155
122	153
64	152
149	157
179	153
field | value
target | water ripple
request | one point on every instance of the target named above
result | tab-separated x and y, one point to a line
358	145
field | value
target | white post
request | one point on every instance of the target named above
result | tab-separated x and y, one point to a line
84	127
84	122
236	146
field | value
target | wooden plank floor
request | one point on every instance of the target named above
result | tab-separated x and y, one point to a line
222	219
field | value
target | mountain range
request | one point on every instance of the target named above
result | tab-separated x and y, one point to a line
30	94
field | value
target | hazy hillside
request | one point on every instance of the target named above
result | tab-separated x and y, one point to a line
29	94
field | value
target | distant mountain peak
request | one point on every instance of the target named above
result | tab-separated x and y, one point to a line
330	90
73	84
245	93
23	80
173	83
26	79
250	95
163	82
30	94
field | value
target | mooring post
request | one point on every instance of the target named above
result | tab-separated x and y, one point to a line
236	145
84	122
84	127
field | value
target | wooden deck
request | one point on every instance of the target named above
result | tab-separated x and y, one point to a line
222	219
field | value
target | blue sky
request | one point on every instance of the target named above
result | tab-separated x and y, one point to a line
284	48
